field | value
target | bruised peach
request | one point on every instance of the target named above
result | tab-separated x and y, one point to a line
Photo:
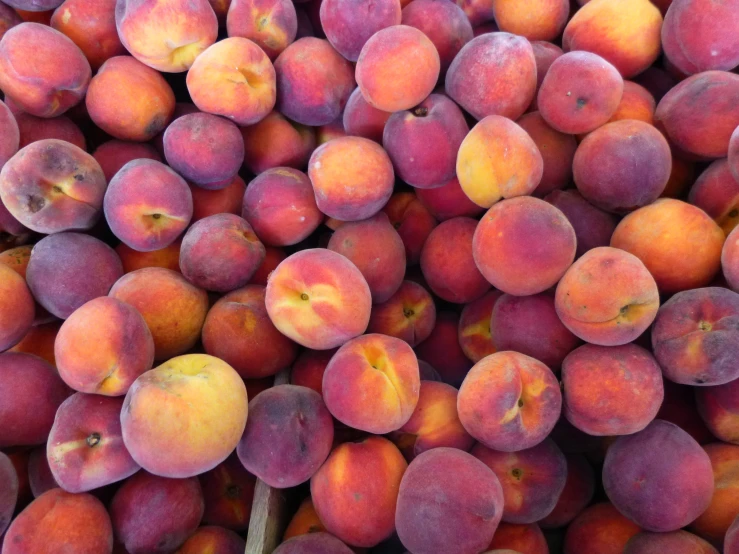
409	314
412	220
443	349
557	151
475	327
34	128
17	308
349	24
226	200
448	201
314	543
716	192
509	401
167	257
270	24
228	492
719	409
718	517
599	528
114	154
522	538
539	20
576	495
215	539
275	142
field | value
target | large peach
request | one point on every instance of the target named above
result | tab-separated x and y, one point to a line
114	154
270	24
475	326
17	309
276	142
228	492
349	24
409	314
412	220
716	192
599	528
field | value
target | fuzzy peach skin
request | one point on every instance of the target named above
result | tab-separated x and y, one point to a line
678	243
557	151
449	502
496	160
200	404
523	245
509	401
314	543
237	330
271	24
233	78
611	390
166	35
228	492
636	103
147	205
599	528
41	70
626	33
9	18
103	347
355	492
730	260
505	88
34	128
352	178
58	521
705	132
174	310
227	200
448	201
114	154
412	220
313	82
51	186
10	133
17	309
532	479
522	538
660	478
716	192
577	494
129	100
539	20
349	24
277	142
677	541
167	257
409	314
304	522
719	409
215	539
593	227
475	326
360	119
397	68
281	207
612	318
372	383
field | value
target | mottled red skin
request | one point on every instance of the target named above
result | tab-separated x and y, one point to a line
512	538
237	329
308	369
449	200
167	257
103	347
10	491
205	149
704	133
272	258
716	192
355	492
580	92
731	541
214	539
51	186
505	88
611	390
226	200
447	262
409	314
67	270
557	151
9	130
46	80
275	141
423	142
271	24
412	220
153	514
659	477
130	101
313	543
443	350
348	24
114	154
228	492
714	523
9	18
537	247
475	328
288	435
360	119
599	528
34	128
679	407
140	191
17	308
577	493
678	542
448	502
59	521
313	82
509	401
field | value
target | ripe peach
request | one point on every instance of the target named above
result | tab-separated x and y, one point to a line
114	154
524	538
716	192
599	528
270	24
475	326
448	201
17	309
360	119
442	348
719	409
33	129
577	494
39	341
215	539
276	142
538	20
348	24
17	259
314	543
636	103
412	220
228	492
677	542
409	314
167	257
227	200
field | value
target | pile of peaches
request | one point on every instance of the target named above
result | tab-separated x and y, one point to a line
489	251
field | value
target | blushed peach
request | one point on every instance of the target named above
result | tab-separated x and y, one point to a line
524	538
363	120
272	258
599	528
397	68
114	154
167	257
636	103
409	314
509	401
577	494
716	192
443	349
349	24
228	493
275	142
308	369
676	541
539	20
412	220
314	543
270	24
475	327
17	308
448	201
216	539
719	409
34	128
718	517
226	200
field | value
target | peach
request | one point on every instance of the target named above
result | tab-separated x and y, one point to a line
678	542
356	490
10	132
617	317
51	186
581	92
524	245
200	404
449	200
91	26
509	401
348	24
622	166
238	331
153	514
372	383
270	24
10	492
314	543
626	33
524	538
39	341
226	200
313	82
557	151
475	327
14	232
636	103
352	178
611	390
174	310
147	205
532	479
34	128
409	314
599	528
57	521
544	53
272	258
304	522
397	68
496	160
442	347
681	177
166	35
538	20
733	154
719	409
730	260
215	539
309	367
678	243
412	220
288	436
480	14
706	132
276	141
318	298
216	81
9	18
716	192
17	259
17	308
530	325
660	478
360	119
42	71
228	492
167	257
279	204
449	502
114	154
578	492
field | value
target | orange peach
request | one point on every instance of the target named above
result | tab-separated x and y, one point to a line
228	492
271	24
412	220
676	541
226	200
349	24
167	257
716	192
213	539
17	259
475	327
276	142
16	307
34	128
409	314
448	201
538	20
599	528
114	154
304	522
522	538
39	341
443	349
636	103
716	520
360	119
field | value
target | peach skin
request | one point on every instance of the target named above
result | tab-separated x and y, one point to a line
270	24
